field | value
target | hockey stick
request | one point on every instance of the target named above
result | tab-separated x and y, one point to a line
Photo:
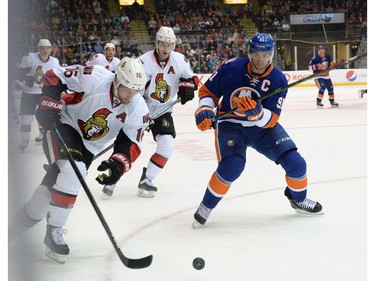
280	89
131	263
157	115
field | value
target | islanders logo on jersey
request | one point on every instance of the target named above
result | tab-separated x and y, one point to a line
351	75
240	92
95	127
162	89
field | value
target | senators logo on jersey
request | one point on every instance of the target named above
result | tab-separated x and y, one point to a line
162	89
38	77
96	127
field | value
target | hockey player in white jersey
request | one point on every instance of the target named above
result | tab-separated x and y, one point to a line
30	72
109	61
97	107
168	75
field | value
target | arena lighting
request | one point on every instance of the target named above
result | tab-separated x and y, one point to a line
130	2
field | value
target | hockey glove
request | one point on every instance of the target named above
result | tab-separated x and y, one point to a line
318	66
251	108
203	118
117	165
48	112
186	89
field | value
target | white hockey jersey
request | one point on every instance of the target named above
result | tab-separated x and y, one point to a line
162	85
37	70
100	59
90	107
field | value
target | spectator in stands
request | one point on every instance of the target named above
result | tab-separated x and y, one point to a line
98	48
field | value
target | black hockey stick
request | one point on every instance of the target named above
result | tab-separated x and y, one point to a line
128	262
157	115
280	89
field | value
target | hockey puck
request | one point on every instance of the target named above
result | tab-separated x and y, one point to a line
198	263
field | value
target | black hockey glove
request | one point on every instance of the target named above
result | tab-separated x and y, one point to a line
48	112
117	165
186	89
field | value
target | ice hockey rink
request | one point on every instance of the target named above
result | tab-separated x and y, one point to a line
252	235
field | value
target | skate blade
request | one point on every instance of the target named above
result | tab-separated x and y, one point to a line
145	194
196	224
56	257
302	212
106	196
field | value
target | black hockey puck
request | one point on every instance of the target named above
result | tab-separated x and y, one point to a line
198	263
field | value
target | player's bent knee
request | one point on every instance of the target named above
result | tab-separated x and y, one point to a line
231	167
293	163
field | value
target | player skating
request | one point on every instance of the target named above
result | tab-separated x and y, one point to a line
30	72
320	62
168	75
109	61
97	107
238	84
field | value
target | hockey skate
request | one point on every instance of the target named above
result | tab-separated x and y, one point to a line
56	248
306	207
201	215
39	138
319	104
22	146
145	187
334	104
108	191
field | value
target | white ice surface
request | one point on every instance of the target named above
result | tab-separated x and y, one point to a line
253	234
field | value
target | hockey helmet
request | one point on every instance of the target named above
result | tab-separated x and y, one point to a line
109	45
44	43
130	73
262	42
166	34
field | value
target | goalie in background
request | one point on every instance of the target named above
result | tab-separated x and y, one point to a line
320	62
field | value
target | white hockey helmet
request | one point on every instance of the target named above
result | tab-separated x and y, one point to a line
165	34
130	73
44	43
109	45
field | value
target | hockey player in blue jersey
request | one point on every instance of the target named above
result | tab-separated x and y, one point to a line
320	62
239	83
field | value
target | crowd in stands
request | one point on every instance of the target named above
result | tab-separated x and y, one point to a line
206	34
273	14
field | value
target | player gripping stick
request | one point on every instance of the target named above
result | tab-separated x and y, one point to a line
238	84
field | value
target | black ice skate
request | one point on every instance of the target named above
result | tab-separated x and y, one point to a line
201	215
56	248
319	104
306	207
108	191
334	104
39	138
23	145
146	187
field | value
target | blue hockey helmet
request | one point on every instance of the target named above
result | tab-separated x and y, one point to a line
262	42
320	47
261	51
